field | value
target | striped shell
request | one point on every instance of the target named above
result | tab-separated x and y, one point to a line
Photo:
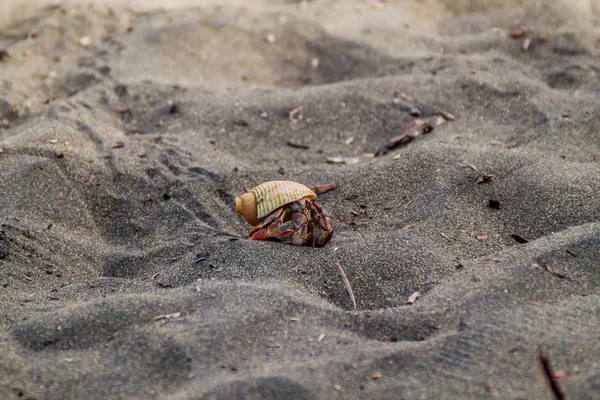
269	196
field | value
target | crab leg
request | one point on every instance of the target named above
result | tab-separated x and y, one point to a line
270	225
322	229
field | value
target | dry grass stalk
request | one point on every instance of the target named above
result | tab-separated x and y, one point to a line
347	283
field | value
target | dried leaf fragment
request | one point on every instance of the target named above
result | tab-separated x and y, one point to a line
406	227
168	316
446	115
485	177
417	128
298	145
343	160
517	33
519	239
554	272
413	297
482	237
376	375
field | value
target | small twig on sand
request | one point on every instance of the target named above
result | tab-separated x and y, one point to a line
320	189
347	283
416	129
550	375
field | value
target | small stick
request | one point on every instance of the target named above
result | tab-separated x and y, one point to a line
347	283
298	145
320	189
550	375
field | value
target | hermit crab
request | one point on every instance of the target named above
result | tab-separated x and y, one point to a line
286	210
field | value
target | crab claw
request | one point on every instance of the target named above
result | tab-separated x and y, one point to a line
322	230
296	229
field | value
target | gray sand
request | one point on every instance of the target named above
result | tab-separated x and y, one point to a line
126	273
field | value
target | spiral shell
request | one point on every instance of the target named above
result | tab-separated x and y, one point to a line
267	197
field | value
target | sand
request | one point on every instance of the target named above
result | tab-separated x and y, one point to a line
127	129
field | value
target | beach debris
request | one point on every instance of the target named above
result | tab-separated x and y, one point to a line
447	116
118	145
314	63
525	44
3	54
554	272
53	141
322	188
444	236
343	160
402	96
511	146
295	115
406	227
551	376
347	284
494	204
517	33
416	129
468	164
321	336
85	42
439	121
270	38
568	251
376	375
415	112
263	115
286	210
337	387
298	145
485	177
343	104
413	298
168	316
519	239
482	237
